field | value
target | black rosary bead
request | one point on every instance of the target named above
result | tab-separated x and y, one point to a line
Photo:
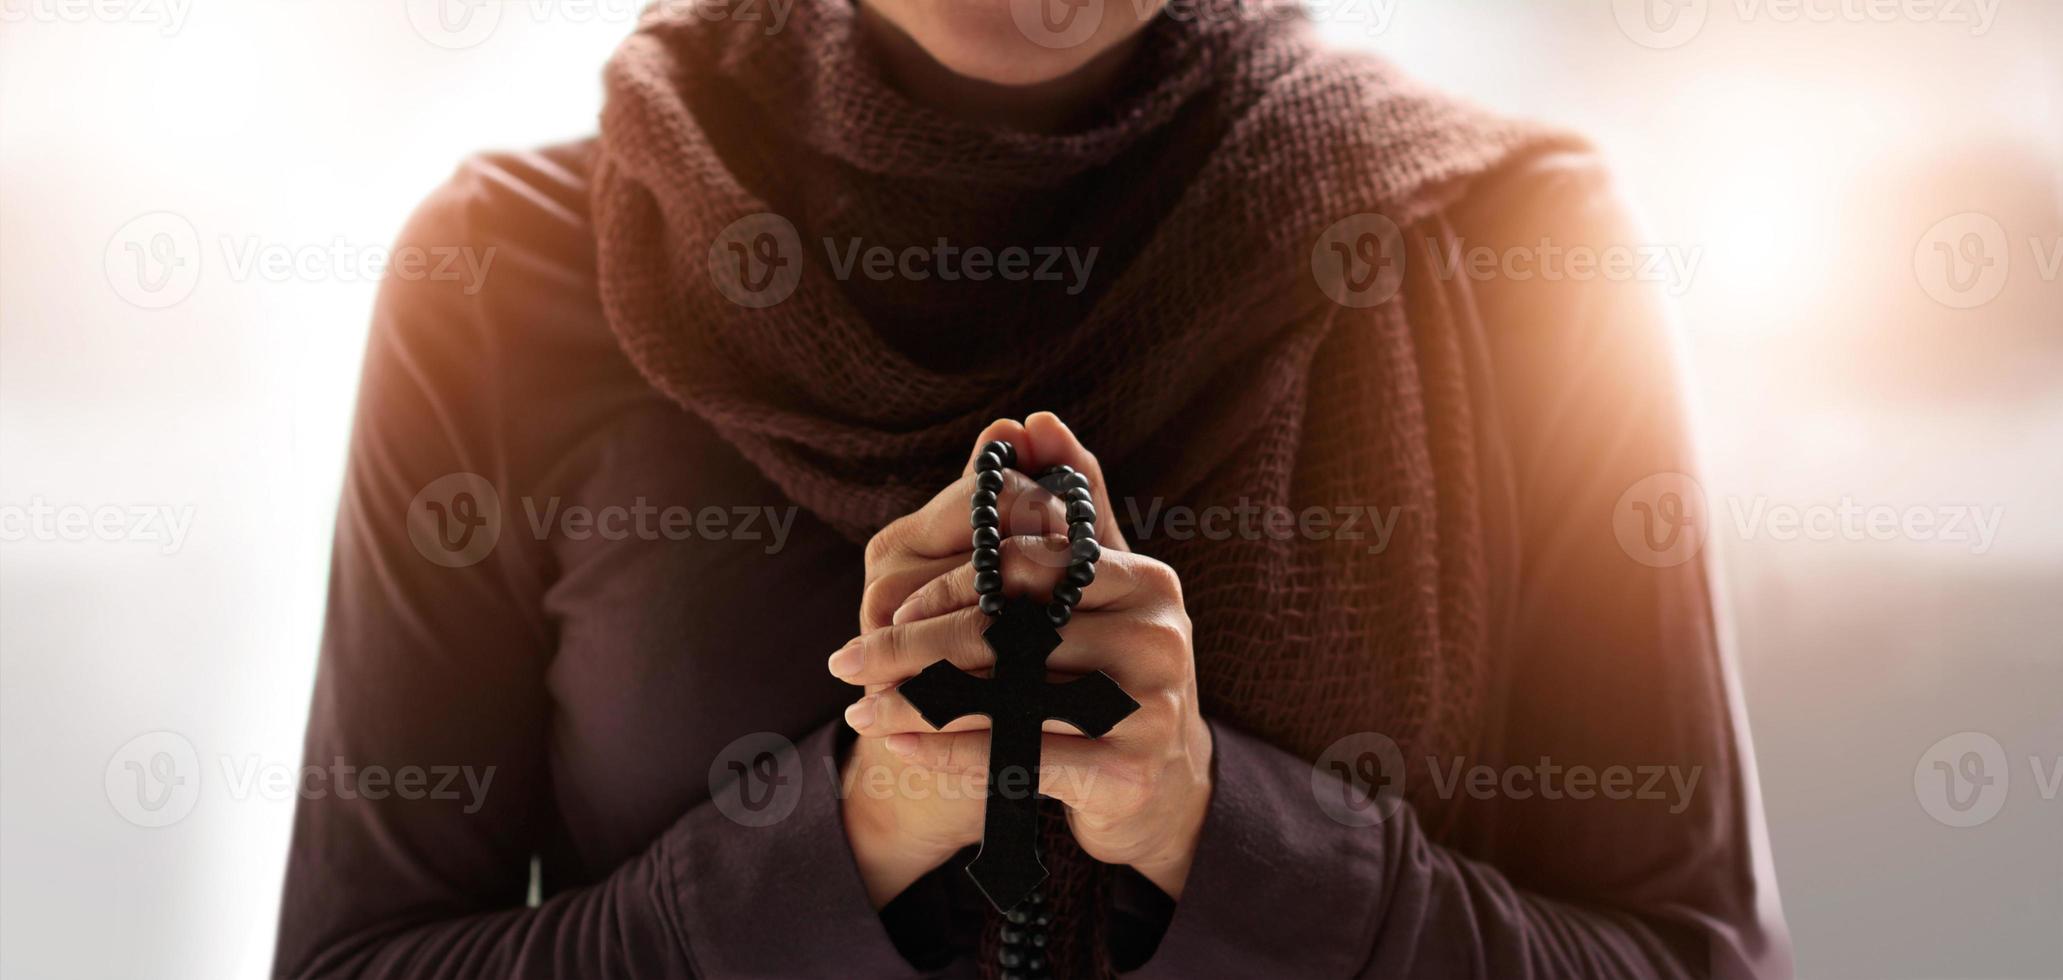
1085	549
984	498
986	517
1078	493
987	559
1003	451
992	604
1075	481
987	461
987	537
1081	573
1081	512
988	583
1058	614
990	480
1081	530
1067	595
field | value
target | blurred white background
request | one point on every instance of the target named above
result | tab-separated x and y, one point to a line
1803	163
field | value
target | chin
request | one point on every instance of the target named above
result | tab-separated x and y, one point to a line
1012	42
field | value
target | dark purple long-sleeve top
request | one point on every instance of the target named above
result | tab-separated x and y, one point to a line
646	600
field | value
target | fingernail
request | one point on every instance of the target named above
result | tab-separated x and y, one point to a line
903	744
846	662
861	714
901	611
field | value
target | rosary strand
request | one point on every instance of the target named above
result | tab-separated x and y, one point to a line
1021	939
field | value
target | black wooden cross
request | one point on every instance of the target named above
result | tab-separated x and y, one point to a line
1016	700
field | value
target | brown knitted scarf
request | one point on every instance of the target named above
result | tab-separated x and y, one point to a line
1201	361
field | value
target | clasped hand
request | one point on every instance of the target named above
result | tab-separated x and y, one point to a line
1135	797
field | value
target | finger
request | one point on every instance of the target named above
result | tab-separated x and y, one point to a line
1033	566
1077	771
1007	430
943	526
1141	649
1051	443
889	589
888	713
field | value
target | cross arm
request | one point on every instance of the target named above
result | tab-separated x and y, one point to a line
1093	703
943	692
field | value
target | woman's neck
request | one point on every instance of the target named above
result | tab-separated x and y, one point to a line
1044	107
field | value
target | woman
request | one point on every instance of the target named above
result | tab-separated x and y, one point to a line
609	522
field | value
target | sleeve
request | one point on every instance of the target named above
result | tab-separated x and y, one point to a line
1614	829
430	787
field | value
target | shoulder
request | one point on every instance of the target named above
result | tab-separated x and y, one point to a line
1558	230
488	335
1570	192
519	194
500	211
1368	135
496	264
